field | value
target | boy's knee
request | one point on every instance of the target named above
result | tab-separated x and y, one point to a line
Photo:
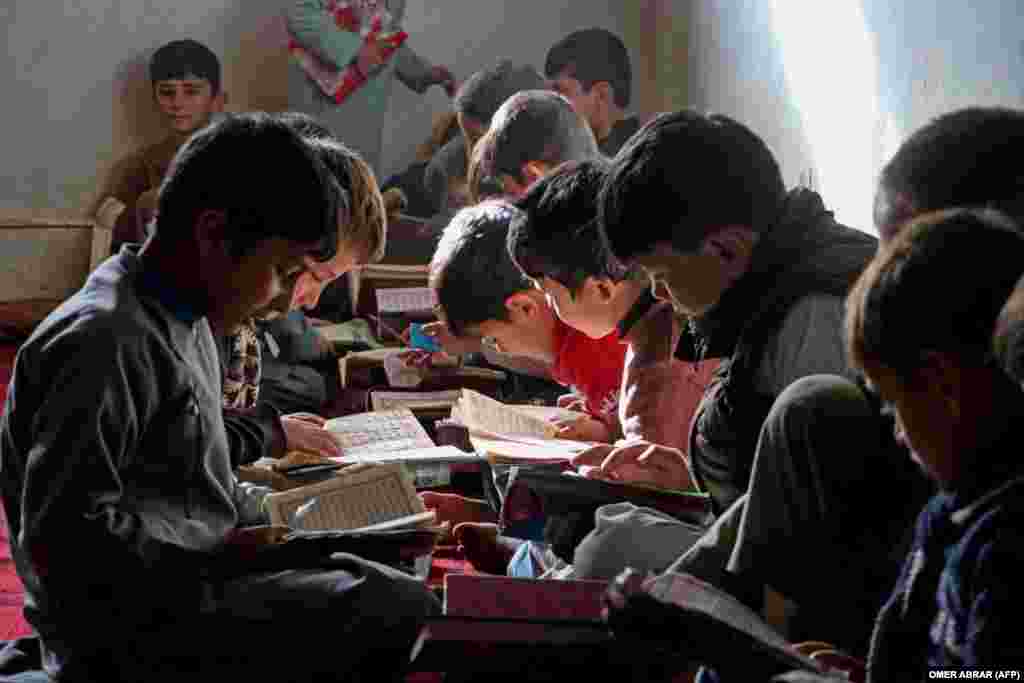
818	402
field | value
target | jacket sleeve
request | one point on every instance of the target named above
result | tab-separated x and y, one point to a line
85	431
312	25
254	434
413	70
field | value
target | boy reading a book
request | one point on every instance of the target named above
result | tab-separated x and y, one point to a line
924	341
530	134
113	444
591	67
476	102
557	245
186	80
268	363
483	296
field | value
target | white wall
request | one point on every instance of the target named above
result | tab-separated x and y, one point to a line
76	96
467	35
834	87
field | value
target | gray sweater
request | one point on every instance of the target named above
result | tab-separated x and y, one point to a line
116	476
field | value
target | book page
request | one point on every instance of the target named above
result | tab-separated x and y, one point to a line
536	452
483	414
690	593
379	432
416	455
405	300
358	496
413	400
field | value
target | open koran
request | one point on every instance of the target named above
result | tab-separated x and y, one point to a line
506	433
366	497
365	280
414	400
721	627
383	431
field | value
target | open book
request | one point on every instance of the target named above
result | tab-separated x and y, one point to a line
711	625
395	437
507	433
415	400
356	366
364	497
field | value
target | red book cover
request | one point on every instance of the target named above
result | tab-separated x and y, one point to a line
505	597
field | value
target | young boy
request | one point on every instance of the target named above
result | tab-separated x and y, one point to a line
113	444
269	361
482	295
923	340
186	80
531	133
591	67
557	245
476	102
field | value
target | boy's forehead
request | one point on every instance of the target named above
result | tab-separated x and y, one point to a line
190	79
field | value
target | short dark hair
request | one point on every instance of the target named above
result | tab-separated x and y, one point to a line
263	175
183	58
969	157
687	174
306	125
471	271
556	234
937	286
593	55
534	125
483	92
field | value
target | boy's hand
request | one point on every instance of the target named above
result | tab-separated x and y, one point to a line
244	544
572	402
584	428
442	76
638	462
305	432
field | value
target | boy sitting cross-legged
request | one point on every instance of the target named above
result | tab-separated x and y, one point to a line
132	535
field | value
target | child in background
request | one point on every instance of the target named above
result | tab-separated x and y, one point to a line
187	90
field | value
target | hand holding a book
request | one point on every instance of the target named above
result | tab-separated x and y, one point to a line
305	432
637	462
584	428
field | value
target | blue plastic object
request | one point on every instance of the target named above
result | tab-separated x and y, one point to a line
418	340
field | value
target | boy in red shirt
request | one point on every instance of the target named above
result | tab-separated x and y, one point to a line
481	295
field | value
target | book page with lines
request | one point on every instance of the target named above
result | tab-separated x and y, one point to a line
358	496
379	432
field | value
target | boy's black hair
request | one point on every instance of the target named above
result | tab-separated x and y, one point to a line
471	271
970	157
683	176
534	125
483	92
263	175
183	58
556	234
593	55
307	126
938	285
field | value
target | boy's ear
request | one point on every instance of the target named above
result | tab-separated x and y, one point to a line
220	101
210	232
733	245
522	307
942	375
602	288
602	90
534	171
